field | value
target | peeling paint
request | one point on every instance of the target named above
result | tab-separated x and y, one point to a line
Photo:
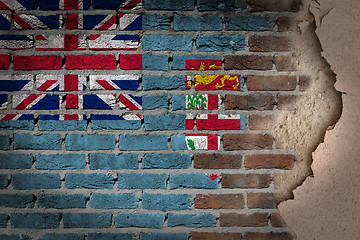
325	205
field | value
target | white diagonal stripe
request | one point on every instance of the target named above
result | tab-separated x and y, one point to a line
131	117
52	41
33	21
108	99
4	105
17	99
104	21
105	41
41	79
127	96
7	17
13	5
127	19
125	3
109	78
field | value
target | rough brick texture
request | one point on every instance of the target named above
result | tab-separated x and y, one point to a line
269	161
261	200
287	102
268	236
247	142
215	236
227	201
271	83
248	62
285	63
274	6
246	181
145	119
269	43
217	161
250	102
242	220
4	61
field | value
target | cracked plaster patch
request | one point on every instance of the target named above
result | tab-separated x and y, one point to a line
326	204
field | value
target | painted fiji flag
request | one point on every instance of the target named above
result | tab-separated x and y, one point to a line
70	86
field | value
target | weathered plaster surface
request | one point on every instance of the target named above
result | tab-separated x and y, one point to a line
326	205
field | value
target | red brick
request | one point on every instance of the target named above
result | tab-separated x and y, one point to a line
285	63
45	62
4	61
251	62
262	200
269	43
245	180
249	102
217	201
131	62
271	83
104	62
243	220
247	141
258	122
217	161
276	220
72	21
274	5
287	102
304	83
268	236
268	161
215	236
287	24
